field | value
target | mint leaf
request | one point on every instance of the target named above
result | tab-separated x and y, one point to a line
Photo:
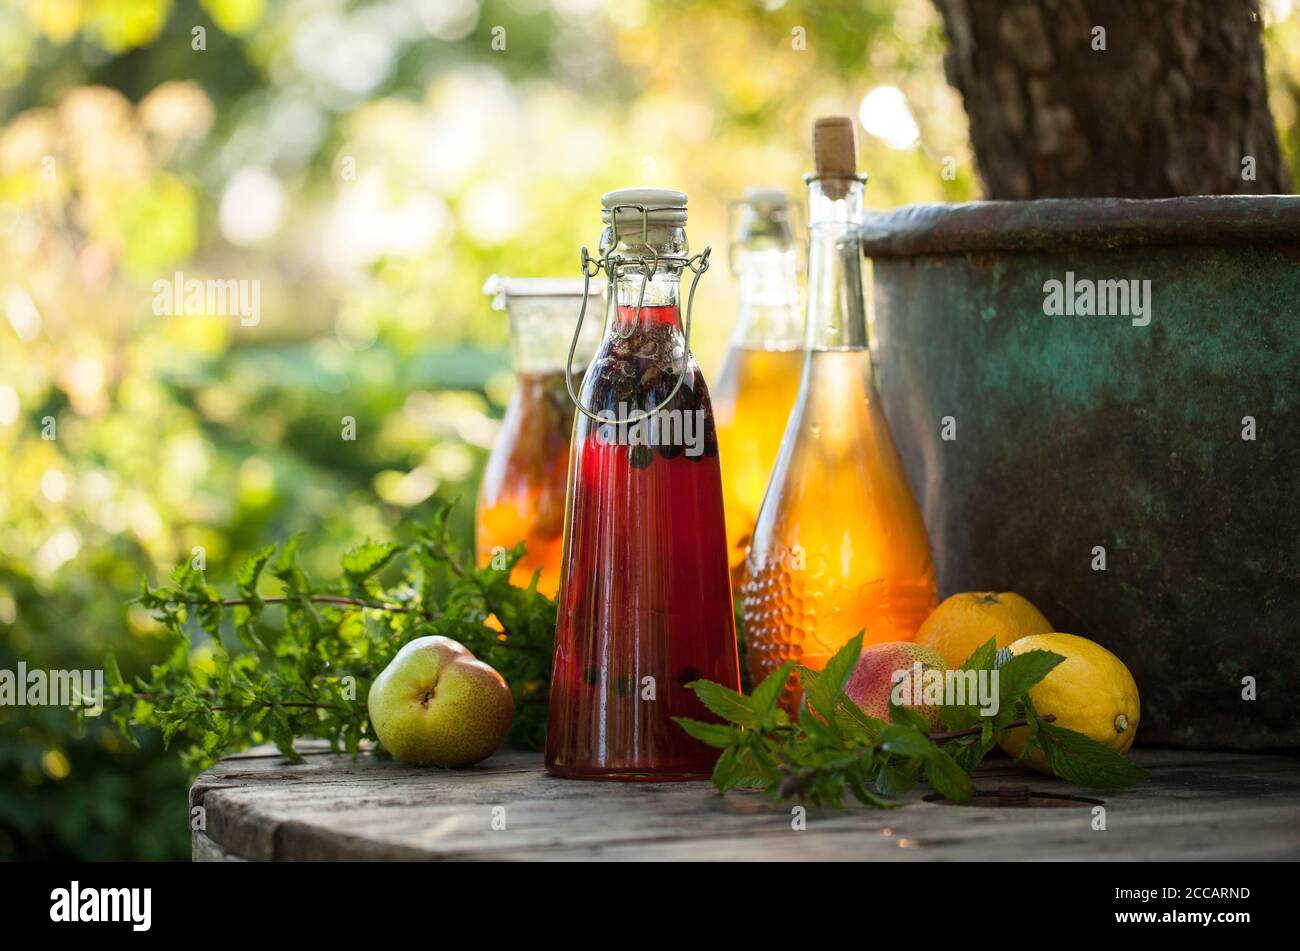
767	694
969	751
1015	676
250	571
865	796
906	741
287	563
983	657
825	693
948	778
734	769
960	716
726	703
112	672
857	716
896	778
908	717
807	676
364	560
811	722
1021	672
714	734
1085	762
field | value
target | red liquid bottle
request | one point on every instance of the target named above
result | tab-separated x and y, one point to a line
645	595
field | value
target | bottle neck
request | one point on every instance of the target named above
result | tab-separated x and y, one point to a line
658	305
541	329
769	301
837	316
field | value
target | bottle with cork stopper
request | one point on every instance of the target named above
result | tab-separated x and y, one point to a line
839	545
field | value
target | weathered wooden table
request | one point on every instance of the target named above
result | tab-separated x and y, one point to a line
258	806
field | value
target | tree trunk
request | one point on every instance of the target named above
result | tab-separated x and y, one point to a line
1175	104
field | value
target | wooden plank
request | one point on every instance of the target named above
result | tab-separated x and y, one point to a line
1197	805
203	849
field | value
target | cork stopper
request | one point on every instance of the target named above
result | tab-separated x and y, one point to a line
834	153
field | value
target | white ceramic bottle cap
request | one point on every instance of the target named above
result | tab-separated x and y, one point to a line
663	206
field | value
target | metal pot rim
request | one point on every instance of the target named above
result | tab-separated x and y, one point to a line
1053	223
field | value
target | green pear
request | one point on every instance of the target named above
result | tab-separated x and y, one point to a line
436	704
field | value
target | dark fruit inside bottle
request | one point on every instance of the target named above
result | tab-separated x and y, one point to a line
645	597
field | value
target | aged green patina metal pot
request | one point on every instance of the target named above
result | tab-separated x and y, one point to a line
1074	437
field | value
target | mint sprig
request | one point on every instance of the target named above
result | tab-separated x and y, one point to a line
298	662
1084	761
832	748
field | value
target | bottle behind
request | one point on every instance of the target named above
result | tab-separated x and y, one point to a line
760	375
521	496
839	545
645	601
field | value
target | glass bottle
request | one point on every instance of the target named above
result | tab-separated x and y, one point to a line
760	375
645	598
839	545
521	496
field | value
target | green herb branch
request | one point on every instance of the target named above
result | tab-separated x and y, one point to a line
314	598
235	675
832	749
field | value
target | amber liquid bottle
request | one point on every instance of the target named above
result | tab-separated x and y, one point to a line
760	375
839	545
521	496
645	603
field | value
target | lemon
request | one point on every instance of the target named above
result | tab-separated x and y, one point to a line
1090	692
965	621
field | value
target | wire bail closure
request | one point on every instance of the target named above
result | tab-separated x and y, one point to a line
611	264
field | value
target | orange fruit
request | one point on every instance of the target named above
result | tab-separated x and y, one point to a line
965	621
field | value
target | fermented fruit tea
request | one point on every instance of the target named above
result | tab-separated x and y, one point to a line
839	544
645	597
521	497
760	375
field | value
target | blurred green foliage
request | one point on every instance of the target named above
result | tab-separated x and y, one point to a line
369	164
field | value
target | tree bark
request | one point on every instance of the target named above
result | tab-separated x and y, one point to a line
1176	103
